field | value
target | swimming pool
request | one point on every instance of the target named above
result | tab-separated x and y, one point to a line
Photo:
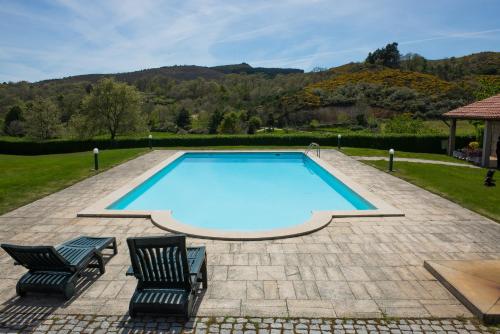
223	193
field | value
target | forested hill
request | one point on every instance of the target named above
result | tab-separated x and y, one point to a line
237	98
182	72
245	68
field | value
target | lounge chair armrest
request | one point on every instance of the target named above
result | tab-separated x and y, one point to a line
130	271
195	267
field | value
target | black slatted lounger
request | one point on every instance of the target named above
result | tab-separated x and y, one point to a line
168	274
56	269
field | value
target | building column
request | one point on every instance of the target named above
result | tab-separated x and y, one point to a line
485	160
451	140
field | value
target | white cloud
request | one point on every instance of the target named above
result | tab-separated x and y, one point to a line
69	37
468	34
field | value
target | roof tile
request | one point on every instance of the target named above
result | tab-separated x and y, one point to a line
485	109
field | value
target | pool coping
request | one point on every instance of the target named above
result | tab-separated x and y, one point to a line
165	220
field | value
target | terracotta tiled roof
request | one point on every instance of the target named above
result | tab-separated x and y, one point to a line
485	109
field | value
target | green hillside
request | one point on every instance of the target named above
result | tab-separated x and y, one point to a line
240	98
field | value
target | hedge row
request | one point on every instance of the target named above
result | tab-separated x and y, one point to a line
409	143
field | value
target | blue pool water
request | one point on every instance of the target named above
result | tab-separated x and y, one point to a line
242	191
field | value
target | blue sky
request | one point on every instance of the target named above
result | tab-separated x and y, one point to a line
43	39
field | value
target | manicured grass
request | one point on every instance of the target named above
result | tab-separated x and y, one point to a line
27	178
240	147
370	152
463	127
461	185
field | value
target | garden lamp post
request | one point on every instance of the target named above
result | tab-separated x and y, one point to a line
150	141
338	141
391	159
96	158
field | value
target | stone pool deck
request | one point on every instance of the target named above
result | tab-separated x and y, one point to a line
353	268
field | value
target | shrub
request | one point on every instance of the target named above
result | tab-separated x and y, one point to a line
473	145
403	124
409	143
254	123
314	124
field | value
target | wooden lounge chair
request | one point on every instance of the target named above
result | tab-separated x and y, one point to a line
168	273
56	269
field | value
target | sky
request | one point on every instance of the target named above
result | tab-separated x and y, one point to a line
42	39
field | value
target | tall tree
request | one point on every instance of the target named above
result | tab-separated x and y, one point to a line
215	120
388	56
254	123
42	119
114	107
183	119
230	123
13	116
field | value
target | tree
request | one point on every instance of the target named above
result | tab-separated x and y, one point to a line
413	62
230	123
388	56
43	119
271	122
215	120
487	87
114	107
183	119
80	127
254	123
13	121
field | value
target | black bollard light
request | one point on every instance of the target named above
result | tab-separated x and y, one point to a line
338	141
150	141
391	159
96	158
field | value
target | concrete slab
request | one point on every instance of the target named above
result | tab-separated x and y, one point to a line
475	283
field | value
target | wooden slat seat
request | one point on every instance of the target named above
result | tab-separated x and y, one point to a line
162	297
168	275
55	269
98	243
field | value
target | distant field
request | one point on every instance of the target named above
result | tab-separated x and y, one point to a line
463	127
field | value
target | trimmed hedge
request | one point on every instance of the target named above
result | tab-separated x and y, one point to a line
409	143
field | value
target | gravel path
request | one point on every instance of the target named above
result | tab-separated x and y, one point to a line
234	325
423	161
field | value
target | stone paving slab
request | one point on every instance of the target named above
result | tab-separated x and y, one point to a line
364	267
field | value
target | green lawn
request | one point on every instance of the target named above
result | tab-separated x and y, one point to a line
461	185
463	127
370	152
27	178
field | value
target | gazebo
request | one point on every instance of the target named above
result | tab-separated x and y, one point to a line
487	110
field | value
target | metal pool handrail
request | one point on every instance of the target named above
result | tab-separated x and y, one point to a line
314	146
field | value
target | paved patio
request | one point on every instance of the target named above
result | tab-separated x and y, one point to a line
355	267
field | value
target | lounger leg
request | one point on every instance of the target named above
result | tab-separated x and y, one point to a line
70	287
131	311
69	290
100	261
19	290
115	247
